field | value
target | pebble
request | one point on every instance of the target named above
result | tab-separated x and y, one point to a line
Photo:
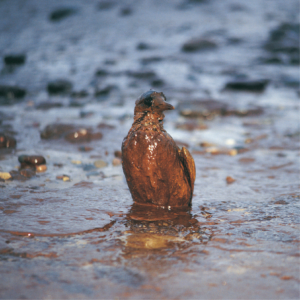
100	164
56	131
63	177
116	161
41	168
59	86
118	154
229	180
7	141
14	59
61	13
207	144
5	175
82	135
143	46
76	162
33	160
233	152
198	44
10	93
247	85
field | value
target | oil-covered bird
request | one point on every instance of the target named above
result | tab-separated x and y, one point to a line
157	171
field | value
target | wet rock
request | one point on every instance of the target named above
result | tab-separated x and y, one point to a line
56	131
7	142
14	59
41	168
48	105
247	85
100	164
116	161
198	44
61	13
82	135
9	94
33	160
59	87
229	180
5	175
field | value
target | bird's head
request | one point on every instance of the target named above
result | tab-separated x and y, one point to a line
153	102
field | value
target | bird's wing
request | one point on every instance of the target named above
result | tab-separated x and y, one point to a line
189	165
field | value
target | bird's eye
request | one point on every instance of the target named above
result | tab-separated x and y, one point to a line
148	101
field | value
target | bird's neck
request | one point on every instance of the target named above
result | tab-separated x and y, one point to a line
148	120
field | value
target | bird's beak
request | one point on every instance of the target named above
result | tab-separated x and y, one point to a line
167	106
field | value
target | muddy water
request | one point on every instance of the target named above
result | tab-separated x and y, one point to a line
81	237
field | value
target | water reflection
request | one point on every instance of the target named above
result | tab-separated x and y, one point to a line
153	227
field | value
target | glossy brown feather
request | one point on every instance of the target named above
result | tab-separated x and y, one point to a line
156	170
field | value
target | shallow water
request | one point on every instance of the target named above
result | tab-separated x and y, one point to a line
83	238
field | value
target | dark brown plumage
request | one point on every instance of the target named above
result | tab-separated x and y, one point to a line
156	170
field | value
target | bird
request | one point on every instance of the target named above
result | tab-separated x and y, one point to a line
157	171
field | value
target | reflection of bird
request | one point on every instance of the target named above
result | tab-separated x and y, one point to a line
156	170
